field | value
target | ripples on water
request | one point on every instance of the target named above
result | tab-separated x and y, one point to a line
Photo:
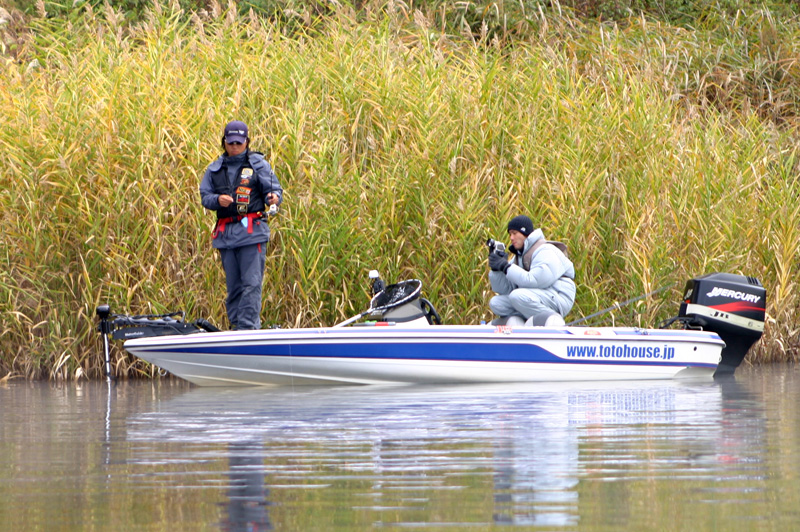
610	456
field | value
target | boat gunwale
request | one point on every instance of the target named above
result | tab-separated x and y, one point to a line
448	333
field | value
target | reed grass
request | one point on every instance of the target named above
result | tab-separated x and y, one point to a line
656	153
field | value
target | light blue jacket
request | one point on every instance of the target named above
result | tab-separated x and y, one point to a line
550	270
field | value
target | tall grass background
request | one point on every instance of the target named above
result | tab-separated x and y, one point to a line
655	152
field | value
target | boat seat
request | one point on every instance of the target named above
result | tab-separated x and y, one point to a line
406	312
511	321
546	320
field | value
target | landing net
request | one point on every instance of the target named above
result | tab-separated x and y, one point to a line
396	294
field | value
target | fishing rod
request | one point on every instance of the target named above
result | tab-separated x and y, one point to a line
616	306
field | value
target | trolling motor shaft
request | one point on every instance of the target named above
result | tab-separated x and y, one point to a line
103	312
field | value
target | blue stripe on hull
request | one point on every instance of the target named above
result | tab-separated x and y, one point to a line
472	352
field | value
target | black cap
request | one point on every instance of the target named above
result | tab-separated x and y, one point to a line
236	131
521	223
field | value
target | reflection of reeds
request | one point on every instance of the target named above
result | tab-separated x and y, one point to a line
400	149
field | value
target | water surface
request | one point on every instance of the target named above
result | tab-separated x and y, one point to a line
165	455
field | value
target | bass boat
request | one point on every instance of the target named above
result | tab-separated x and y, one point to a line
403	341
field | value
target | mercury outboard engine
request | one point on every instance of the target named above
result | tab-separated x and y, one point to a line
733	306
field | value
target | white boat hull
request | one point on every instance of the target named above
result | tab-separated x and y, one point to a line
427	355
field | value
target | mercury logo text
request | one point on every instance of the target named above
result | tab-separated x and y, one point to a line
733	294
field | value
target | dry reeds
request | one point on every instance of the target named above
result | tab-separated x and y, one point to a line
401	148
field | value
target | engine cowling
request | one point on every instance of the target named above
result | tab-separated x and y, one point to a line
733	306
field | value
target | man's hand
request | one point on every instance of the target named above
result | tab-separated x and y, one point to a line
224	200
498	263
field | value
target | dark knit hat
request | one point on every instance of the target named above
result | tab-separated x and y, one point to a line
523	224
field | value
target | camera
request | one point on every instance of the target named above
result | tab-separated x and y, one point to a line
496	247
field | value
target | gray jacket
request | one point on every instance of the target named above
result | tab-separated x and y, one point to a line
550	270
236	234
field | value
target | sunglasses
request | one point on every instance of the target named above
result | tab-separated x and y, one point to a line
235	143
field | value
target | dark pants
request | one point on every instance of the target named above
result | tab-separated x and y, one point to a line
244	277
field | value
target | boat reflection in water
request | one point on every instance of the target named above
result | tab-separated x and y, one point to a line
541	449
246	509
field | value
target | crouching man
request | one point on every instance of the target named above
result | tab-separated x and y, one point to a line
537	287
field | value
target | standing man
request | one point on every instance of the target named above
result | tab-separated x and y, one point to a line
240	186
537	287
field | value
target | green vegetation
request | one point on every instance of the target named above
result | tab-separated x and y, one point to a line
657	152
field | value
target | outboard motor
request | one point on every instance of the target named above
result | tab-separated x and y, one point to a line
733	306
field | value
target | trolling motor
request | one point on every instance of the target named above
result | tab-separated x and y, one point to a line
124	327
733	306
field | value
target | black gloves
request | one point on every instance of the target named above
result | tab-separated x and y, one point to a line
498	262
